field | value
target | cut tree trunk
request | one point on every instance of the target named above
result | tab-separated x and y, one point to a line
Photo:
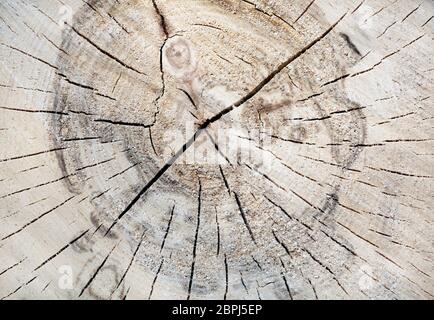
226	149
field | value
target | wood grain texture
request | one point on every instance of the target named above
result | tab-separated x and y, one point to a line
224	149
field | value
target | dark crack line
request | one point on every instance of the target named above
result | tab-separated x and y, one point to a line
288	167
152	142
357	235
225	180
123	171
105	52
58	179
306	201
155	279
313	288
287	214
243	283
80	139
126	293
55	45
84	86
45	287
284	21
410	13
243	216
131	262
31	154
305	10
95	164
101	194
342	245
265	176
26	88
96	271
218	232
287	287
123	123
216	146
257	263
37	186
92	8
199	200
358	6
35	111
387	28
31	56
12	266
319	262
189	97
426	22
400	173
162	19
21	286
226	278
167	228
283	245
118	23
36	219
166	37
61	250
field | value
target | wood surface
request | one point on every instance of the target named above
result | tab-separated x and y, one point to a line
225	149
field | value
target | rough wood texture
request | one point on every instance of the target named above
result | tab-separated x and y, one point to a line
216	149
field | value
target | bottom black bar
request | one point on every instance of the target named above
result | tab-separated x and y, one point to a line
252	309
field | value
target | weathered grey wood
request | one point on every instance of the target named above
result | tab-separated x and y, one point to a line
216	149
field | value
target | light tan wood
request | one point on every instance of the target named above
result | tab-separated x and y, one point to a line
216	149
